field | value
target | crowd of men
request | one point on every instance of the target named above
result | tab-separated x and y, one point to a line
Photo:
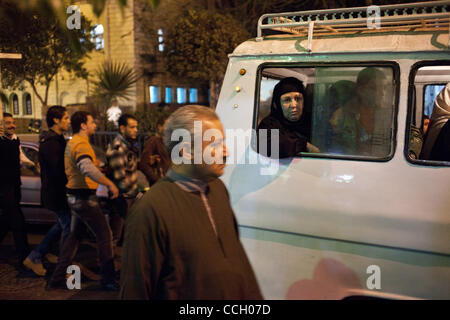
180	237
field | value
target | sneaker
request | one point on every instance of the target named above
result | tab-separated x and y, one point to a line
51	258
37	268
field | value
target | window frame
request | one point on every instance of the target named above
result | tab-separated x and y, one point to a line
28	112
412	76
396	95
160	34
189	94
98	39
185	101
158	94
5	104
13	109
26	172
166	95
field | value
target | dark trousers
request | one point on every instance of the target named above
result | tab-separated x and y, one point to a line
11	219
117	211
86	212
60	231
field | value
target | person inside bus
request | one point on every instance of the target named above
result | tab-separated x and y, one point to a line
354	122
434	141
287	115
425	124
343	124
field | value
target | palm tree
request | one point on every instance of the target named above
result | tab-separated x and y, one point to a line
114	81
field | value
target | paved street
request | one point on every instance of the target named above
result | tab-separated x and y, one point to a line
24	285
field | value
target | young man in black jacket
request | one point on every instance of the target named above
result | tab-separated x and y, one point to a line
11	216
53	185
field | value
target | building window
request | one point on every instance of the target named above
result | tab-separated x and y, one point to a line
181	95
155	94
193	95
27	108
97	37
4	103
168	98
15	104
160	40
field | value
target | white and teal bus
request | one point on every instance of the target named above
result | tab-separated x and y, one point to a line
341	224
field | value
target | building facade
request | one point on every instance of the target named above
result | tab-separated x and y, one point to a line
133	36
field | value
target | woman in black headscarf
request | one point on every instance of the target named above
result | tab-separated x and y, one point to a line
287	115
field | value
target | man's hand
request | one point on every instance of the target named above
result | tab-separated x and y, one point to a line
113	190
312	148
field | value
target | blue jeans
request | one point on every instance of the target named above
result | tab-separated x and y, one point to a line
60	229
86	212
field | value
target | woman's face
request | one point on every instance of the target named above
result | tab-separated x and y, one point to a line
292	105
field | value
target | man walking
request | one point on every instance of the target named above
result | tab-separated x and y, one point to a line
155	161
83	178
11	216
181	238
122	158
53	185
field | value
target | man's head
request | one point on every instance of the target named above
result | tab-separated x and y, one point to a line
58	118
288	99
9	124
128	126
83	122
160	125
371	87
211	154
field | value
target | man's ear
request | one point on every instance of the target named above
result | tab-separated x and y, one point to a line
122	128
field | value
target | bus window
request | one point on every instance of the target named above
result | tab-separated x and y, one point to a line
348	110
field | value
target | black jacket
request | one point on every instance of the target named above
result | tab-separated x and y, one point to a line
53	176
292	140
441	147
9	162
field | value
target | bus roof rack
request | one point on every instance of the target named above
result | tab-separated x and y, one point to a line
419	16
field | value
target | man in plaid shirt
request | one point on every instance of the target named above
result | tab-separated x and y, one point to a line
122	158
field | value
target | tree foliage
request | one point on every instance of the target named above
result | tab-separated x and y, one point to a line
249	11
114	81
198	44
149	117
45	45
